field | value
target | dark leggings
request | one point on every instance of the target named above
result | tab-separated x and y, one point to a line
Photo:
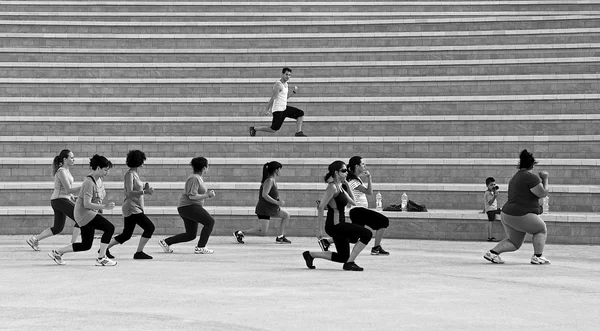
87	233
62	208
130	222
367	217
343	234
192	215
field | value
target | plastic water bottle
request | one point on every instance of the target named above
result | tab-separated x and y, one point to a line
545	202
404	201
378	201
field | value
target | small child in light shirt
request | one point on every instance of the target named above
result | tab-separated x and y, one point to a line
490	205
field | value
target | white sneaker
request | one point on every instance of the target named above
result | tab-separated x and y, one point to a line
494	258
203	250
33	242
105	262
57	257
164	246
539	260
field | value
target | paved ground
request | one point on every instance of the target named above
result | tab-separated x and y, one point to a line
423	285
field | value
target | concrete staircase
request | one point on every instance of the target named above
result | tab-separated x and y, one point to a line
436	96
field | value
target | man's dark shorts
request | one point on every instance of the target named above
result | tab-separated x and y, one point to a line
279	116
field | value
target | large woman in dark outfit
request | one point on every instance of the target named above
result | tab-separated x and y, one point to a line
336	197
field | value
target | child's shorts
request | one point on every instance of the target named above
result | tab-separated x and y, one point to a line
492	214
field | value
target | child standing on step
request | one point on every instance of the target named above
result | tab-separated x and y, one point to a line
490	205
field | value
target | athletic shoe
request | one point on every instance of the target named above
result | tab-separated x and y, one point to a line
33	242
308	259
164	246
378	250
141	256
324	244
351	266
252	131
203	250
300	134
239	236
105	262
494	258
108	255
57	257
539	260
282	240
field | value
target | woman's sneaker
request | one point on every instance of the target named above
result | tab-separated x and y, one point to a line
203	250
56	256
164	246
539	260
239	236
33	242
282	240
351	266
494	258
105	262
378	250
141	256
324	244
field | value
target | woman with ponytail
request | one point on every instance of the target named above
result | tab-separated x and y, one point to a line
336	197
88	216
62	199
520	213
269	205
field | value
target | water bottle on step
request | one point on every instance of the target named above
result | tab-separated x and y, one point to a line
378	202
404	201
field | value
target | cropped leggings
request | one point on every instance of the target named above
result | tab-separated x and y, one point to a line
87	233
62	208
130	222
192	215
367	217
343	234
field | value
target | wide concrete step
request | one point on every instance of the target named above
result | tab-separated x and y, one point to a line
441	224
551	146
293	26
384	170
570	198
482	125
340	89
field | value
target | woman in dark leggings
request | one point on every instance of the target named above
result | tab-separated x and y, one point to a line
191	210
61	199
133	206
336	197
87	216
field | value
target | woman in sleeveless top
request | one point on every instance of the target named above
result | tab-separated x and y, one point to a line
87	214
133	206
269	205
61	200
191	209
336	197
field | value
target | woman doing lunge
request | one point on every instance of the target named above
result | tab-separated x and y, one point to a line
87	216
133	205
520	213
336	197
61	200
269	205
191	210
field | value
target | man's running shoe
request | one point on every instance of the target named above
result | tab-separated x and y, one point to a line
56	256
164	246
105	262
282	240
324	244
494	258
539	260
33	242
378	250
239	236
203	250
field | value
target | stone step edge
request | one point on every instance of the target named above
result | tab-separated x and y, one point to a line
338	80
322	162
314	35
333	22
318	187
319	139
318	119
449	214
77	50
